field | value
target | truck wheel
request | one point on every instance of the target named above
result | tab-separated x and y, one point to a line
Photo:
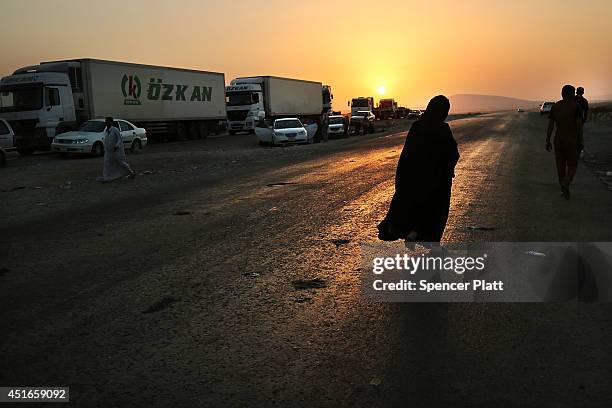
97	150
194	131
25	152
181	131
136	147
203	130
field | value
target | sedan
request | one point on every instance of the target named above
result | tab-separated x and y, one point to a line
89	139
338	126
289	130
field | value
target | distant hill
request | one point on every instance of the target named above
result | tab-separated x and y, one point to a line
463	103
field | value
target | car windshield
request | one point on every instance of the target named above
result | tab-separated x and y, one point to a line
360	102
92	126
336	121
287	124
20	98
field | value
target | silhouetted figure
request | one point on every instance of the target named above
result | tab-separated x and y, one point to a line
583	103
423	180
566	116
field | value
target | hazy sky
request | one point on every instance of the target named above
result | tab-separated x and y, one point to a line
415	49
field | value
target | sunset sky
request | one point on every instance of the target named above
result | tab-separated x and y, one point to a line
415	49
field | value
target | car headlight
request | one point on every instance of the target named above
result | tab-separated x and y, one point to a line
302	133
81	141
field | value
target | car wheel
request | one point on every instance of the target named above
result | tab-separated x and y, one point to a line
231	132
97	150
2	158
136	146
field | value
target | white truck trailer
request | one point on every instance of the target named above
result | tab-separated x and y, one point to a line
43	100
251	99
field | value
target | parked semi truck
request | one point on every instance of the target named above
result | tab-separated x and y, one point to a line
386	109
362	103
251	99
43	100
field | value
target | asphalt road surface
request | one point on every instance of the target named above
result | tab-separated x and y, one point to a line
175	289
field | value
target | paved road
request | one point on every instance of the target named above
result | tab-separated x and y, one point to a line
176	289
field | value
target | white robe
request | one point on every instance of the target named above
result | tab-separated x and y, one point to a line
115	163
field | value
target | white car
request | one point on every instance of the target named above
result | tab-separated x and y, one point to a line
289	130
363	121
89	139
546	107
7	140
338	126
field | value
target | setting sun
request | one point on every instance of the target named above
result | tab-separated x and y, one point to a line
381	90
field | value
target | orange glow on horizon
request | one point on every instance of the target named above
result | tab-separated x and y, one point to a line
413	49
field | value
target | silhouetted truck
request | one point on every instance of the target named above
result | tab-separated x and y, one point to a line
251	99
44	100
386	109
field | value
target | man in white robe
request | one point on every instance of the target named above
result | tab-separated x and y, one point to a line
115	163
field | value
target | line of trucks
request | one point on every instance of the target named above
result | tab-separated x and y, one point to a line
51	98
386	109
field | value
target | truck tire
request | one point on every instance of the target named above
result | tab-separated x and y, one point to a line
181	131
25	152
194	130
203	130
97	149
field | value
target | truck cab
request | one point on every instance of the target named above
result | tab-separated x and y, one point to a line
36	102
327	99
361	104
386	109
245	105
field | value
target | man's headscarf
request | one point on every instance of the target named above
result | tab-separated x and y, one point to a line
437	109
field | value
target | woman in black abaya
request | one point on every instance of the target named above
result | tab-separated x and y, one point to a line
423	180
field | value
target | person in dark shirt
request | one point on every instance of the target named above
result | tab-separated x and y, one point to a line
583	103
423	180
566	117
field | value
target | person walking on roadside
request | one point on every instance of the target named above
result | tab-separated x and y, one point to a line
115	163
325	127
583	103
566	116
423	180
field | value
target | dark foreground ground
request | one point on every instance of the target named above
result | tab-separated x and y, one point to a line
176	289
